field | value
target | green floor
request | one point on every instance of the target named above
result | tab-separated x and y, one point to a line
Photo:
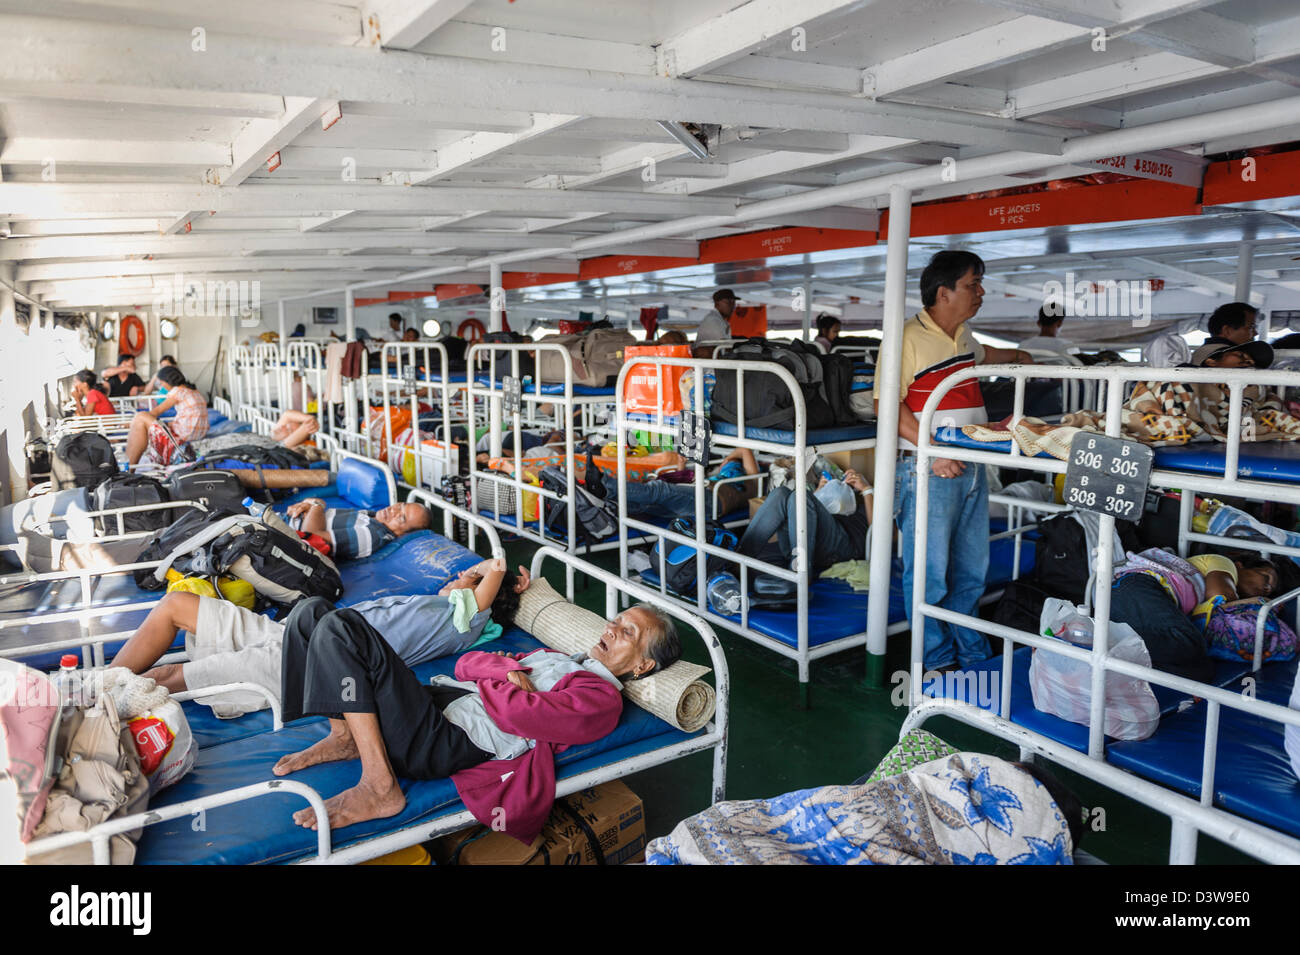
777	746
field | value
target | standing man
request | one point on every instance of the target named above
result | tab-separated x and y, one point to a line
396	325
937	343
1050	319
717	324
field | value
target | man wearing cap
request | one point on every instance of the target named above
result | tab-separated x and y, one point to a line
717	324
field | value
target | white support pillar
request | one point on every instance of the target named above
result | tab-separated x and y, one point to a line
349	314
887	376
807	310
1245	275
496	302
286	379
496	296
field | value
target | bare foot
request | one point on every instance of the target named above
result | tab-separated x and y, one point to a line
363	801
333	748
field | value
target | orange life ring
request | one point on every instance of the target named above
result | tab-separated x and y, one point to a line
132	340
472	325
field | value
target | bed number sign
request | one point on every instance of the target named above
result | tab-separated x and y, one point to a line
408	375
511	394
693	438
1108	475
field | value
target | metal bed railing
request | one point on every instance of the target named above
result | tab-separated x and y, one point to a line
501	360
714	736
396	359
799	451
1186	823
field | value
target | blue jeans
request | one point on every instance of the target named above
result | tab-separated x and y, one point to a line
657	500
828	541
957	559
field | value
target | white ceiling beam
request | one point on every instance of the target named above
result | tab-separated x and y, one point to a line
1215	286
332	158
1113	81
45	200
149	101
262	138
23	151
968	53
480	146
300	20
791	74
181	223
72	227
795	142
403	25
441	116
55	52
475	40
841	217
53	271
313	223
1165	165
740	31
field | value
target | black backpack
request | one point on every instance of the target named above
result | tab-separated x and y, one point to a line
679	565
128	490
255	454
595	519
837	381
1061	560
282	568
212	487
768	402
84	459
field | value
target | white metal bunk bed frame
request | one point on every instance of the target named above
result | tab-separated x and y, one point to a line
440	394
488	400
1188	817
714	736
799	451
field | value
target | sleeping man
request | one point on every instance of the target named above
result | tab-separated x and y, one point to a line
494	729
355	533
228	644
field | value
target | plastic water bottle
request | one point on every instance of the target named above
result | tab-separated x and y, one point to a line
724	594
69	683
1078	630
255	508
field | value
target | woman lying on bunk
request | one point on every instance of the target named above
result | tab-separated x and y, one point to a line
1167	600
494	729
355	533
88	397
164	444
528	441
664	500
228	644
838	516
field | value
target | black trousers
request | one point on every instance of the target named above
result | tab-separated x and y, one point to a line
333	662
1175	643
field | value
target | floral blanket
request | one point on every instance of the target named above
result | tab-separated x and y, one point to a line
962	809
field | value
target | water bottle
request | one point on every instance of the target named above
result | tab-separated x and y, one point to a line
1078	630
255	508
69	683
724	594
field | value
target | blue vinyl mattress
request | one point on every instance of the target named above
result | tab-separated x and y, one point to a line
1253	775
858	432
836	610
1262	460
262	830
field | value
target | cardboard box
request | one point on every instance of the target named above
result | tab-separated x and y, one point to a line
610	815
863	461
754	504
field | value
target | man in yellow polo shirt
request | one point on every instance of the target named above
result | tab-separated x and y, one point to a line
937	343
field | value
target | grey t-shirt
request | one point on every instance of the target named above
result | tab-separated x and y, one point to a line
419	627
713	328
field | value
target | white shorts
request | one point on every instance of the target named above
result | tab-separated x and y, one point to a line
233	645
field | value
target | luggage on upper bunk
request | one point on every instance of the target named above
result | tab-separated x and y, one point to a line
768	402
837	381
84	459
130	490
595	357
281	566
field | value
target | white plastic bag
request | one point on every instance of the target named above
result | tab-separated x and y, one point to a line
158	726
1063	687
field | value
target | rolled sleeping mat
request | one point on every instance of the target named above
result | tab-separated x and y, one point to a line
281	478
676	695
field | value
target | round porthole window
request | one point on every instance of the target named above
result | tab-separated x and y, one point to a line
432	328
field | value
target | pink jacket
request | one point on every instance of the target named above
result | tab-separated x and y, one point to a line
516	795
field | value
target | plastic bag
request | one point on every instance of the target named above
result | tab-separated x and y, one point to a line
1063	687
